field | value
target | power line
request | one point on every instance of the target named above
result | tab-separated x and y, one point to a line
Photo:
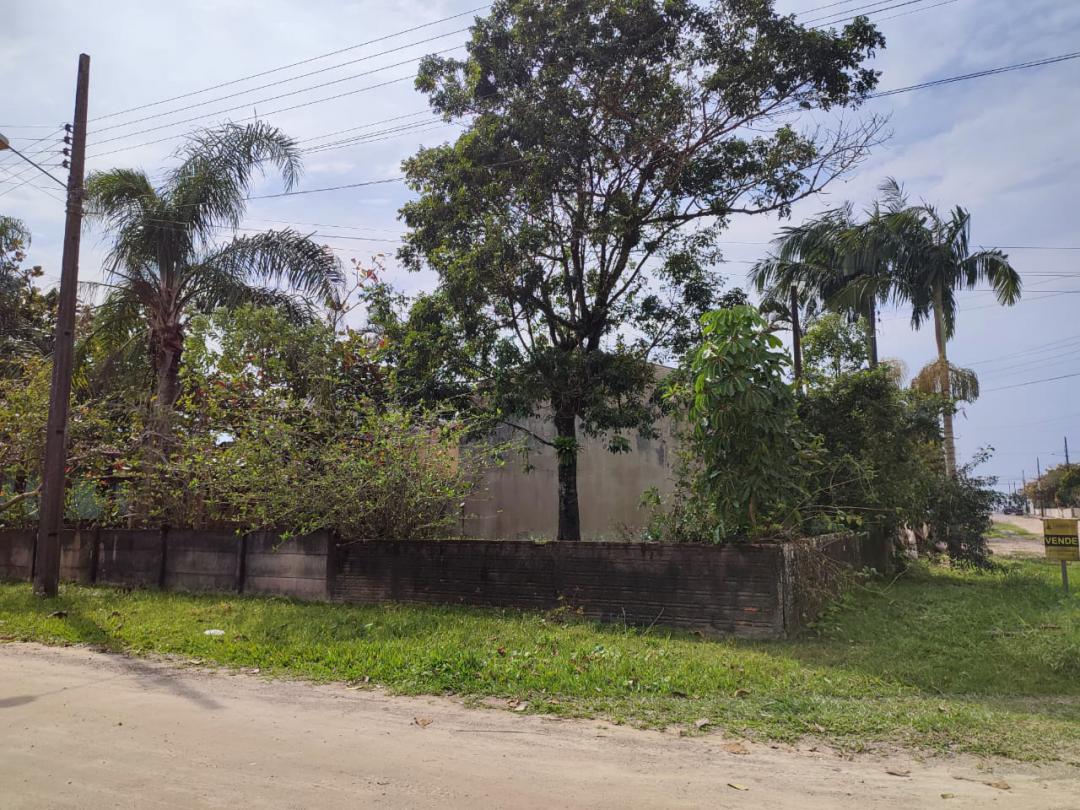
289	79
291	93
861	11
328	188
1054	344
249	117
978	74
302	140
1032	382
1036	247
915	11
294	64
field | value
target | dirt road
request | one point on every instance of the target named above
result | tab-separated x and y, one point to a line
1019	545
89	730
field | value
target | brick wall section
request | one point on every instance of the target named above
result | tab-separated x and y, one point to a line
714	589
756	591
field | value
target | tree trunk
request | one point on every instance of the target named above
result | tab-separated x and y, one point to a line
168	345
946	382
566	453
796	337
871	333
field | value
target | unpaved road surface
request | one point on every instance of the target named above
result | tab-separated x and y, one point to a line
85	729
1019	545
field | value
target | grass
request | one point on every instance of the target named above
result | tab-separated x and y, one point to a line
940	659
1010	530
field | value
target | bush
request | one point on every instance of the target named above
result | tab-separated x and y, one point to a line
959	515
282	427
880	451
746	470
285	427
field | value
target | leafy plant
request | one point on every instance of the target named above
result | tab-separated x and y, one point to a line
959	514
286	427
832	346
743	426
879	447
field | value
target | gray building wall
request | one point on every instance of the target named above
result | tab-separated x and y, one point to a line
517	502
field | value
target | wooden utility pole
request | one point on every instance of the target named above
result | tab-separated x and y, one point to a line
51	510
1039	487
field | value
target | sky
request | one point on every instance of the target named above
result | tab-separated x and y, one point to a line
1005	147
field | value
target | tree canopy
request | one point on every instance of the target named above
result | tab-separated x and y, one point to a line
574	222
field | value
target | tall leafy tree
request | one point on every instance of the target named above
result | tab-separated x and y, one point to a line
573	223
26	313
168	260
935	261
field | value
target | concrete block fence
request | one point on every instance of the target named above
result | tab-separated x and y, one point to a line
750	590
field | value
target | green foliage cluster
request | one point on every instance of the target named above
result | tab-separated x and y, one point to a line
853	451
1059	486
26	313
743	425
833	345
879	459
282	426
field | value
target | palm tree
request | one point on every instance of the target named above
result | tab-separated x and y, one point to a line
166	261
831	262
934	261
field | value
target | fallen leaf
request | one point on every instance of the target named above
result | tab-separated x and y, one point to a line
741	693
943	709
501	651
423	722
699	724
521	706
58	614
735	786
1000	784
948	795
735	748
898	773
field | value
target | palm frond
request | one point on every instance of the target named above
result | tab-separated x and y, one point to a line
210	186
958	384
275	258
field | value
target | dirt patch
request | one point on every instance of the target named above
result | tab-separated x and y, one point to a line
89	729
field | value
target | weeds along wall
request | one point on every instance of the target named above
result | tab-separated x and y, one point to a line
752	590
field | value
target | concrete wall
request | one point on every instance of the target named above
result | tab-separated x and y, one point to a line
1055	512
766	590
516	503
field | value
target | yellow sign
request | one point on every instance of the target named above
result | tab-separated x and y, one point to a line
1061	539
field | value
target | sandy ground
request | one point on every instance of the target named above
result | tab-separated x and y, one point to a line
84	729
